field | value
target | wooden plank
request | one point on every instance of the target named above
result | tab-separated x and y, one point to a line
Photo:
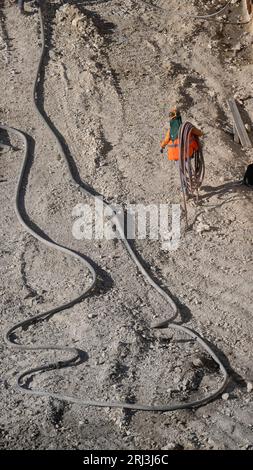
239	125
236	136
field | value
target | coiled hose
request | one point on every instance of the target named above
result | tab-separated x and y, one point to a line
191	170
11	334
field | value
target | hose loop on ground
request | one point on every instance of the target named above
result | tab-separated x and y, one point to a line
76	355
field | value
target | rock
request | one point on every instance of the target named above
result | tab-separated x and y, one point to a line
171	446
247	127
249	387
202	227
176	380
197	362
76	20
212	93
225	396
92	315
238	47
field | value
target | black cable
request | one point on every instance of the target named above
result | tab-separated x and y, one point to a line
11	333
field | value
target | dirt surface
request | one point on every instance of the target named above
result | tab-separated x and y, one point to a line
112	71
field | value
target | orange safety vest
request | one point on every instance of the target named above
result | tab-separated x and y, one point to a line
173	147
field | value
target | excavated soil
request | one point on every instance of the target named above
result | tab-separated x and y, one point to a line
112	71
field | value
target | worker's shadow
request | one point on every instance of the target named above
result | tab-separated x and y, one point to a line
232	187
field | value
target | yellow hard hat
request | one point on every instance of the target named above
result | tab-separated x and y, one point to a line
174	112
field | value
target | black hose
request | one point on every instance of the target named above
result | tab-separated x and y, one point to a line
9	336
192	170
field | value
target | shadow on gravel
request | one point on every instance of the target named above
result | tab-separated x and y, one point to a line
233	187
4	140
105	29
236	380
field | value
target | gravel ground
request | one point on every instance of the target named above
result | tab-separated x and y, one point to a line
112	71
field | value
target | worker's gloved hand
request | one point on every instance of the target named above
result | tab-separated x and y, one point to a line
161	150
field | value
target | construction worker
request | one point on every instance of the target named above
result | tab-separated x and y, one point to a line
172	137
